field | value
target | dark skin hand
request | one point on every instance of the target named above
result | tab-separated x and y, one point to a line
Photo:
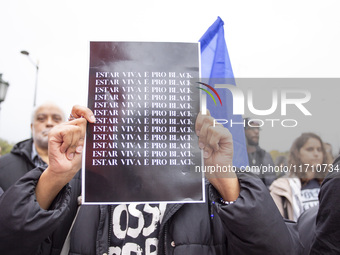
66	143
217	145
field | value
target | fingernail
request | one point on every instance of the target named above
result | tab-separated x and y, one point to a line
198	133
92	118
79	149
201	145
71	156
205	154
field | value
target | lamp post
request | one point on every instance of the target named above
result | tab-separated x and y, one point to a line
36	65
3	89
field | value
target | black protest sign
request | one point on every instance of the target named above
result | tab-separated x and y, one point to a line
143	147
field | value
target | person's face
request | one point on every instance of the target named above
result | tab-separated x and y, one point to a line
252	135
311	152
45	118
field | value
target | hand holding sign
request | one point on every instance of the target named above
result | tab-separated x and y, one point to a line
65	148
217	145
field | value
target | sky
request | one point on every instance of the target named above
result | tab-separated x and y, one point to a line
265	39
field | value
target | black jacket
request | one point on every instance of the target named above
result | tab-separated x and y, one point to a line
252	225
306	227
26	224
15	164
263	158
327	236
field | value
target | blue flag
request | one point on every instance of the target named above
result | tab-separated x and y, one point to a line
216	69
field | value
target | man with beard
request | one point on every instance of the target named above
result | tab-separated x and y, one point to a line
31	153
257	156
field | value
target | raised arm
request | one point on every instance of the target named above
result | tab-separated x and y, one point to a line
253	220
41	202
217	145
65	148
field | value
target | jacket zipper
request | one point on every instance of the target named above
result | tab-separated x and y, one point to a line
165	237
110	229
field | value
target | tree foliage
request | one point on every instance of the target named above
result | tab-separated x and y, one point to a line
5	147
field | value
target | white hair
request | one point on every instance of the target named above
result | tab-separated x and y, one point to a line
46	103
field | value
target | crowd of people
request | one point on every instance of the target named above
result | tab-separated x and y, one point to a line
244	213
308	162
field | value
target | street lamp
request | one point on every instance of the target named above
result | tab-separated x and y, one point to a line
3	89
36	64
